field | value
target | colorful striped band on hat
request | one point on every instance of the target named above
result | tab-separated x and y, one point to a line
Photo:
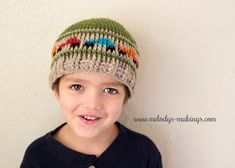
98	45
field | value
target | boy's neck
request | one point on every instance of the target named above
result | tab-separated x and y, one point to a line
95	146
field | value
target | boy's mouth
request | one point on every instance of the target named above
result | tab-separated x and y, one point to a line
90	118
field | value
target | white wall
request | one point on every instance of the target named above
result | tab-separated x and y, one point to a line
187	68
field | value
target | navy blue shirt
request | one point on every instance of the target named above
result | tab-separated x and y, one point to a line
129	150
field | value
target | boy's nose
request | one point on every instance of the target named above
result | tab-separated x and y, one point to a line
93	100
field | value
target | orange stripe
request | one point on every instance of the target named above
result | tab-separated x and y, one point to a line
130	52
54	50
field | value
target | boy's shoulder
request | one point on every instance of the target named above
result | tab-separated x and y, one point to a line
40	147
34	150
139	149
37	147
138	141
134	135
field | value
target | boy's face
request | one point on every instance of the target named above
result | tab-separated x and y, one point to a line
90	102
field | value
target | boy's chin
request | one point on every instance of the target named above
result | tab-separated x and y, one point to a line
89	135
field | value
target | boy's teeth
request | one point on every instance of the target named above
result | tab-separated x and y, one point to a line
90	117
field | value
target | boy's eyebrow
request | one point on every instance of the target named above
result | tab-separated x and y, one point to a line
116	83
74	79
113	83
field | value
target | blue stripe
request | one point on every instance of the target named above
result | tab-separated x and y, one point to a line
102	41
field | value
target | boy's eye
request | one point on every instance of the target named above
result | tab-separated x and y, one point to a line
76	87
111	90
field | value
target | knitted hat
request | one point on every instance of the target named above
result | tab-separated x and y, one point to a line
96	45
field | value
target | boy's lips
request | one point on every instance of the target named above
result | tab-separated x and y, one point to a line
89	119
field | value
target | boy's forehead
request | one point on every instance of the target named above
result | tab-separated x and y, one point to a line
90	78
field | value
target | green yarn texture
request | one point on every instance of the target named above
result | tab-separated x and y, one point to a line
99	23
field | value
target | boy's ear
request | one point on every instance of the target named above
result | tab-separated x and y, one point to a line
56	94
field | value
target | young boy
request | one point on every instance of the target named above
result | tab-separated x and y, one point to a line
93	74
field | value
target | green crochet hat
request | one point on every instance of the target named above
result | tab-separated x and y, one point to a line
98	45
